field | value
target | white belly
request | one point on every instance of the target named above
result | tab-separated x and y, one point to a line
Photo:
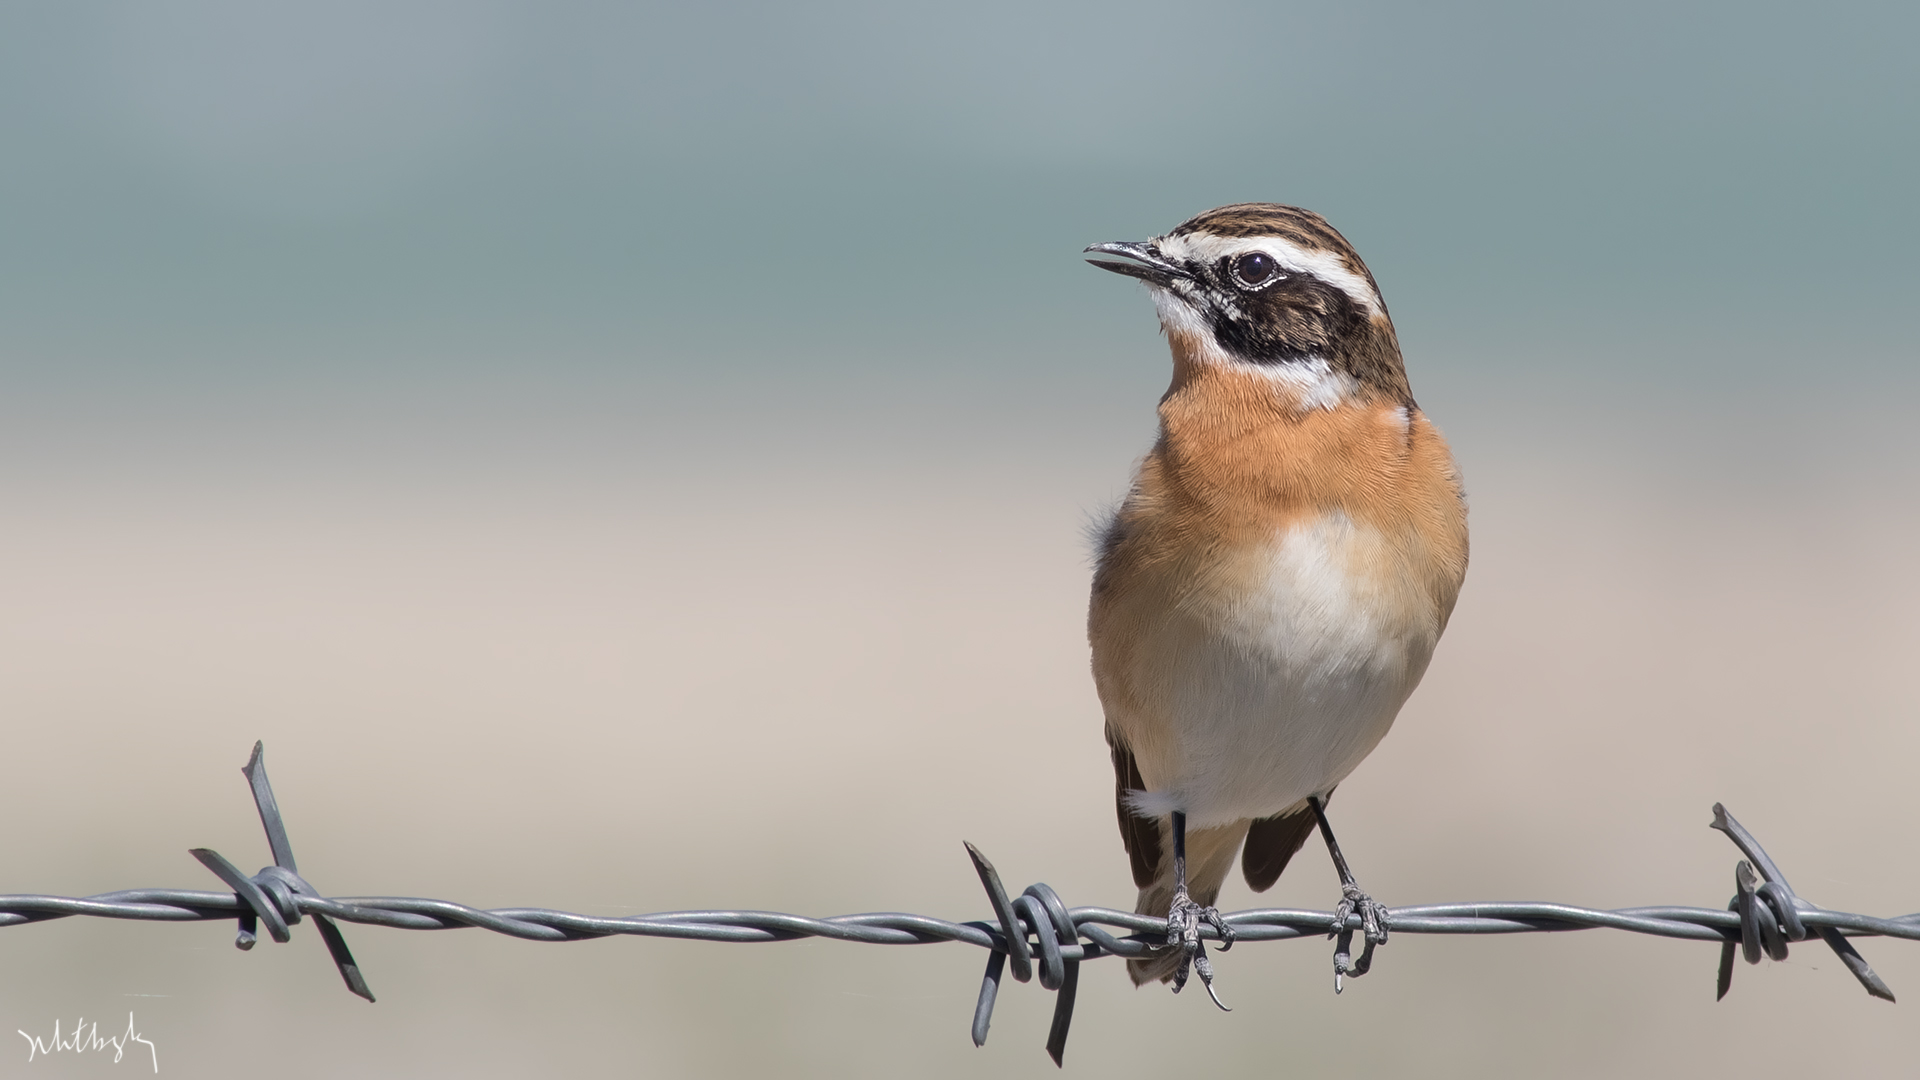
1273	682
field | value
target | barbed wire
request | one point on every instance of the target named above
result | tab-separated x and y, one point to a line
1034	933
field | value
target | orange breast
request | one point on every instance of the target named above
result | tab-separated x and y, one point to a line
1237	464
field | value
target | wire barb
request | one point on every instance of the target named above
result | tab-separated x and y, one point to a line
270	894
1771	915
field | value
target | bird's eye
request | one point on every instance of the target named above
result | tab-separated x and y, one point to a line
1254	269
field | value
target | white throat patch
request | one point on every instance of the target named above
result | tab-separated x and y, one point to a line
1310	383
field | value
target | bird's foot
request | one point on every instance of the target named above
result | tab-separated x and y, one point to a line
1374	923
1183	932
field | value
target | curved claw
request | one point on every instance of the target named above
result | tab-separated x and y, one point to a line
1206	980
1202	967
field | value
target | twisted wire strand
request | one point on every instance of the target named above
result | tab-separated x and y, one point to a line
900	928
1035	933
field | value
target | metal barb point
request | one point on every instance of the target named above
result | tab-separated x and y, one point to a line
255	770
989	990
1016	938
1063	1015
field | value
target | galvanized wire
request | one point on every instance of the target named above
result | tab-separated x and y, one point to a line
1034	933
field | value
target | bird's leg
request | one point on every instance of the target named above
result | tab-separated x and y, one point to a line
1184	918
1374	918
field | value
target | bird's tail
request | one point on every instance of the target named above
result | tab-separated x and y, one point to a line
1209	859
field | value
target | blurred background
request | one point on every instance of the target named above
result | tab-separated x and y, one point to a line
626	458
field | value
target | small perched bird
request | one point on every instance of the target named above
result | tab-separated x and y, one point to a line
1271	589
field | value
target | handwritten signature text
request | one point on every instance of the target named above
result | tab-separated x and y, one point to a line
87	1037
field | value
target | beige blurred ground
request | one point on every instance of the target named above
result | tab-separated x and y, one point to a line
797	681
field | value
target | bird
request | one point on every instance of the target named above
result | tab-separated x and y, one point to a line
1271	589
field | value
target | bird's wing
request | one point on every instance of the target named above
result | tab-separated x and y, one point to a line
1141	835
1271	841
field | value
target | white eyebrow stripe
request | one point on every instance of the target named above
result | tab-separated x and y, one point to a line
1325	265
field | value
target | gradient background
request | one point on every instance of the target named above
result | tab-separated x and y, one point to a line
626	459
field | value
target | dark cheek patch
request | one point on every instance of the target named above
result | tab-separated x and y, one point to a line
1297	319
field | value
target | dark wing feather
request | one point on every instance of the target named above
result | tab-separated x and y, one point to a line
1141	835
1271	842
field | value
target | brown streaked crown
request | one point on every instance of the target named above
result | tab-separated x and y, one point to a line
1291	223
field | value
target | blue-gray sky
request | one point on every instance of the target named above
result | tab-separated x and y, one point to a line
565	179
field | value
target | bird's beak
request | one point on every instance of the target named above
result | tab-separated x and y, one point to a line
1146	265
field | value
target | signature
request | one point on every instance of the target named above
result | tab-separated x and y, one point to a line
86	1037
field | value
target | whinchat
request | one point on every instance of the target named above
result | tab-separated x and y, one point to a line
1270	591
